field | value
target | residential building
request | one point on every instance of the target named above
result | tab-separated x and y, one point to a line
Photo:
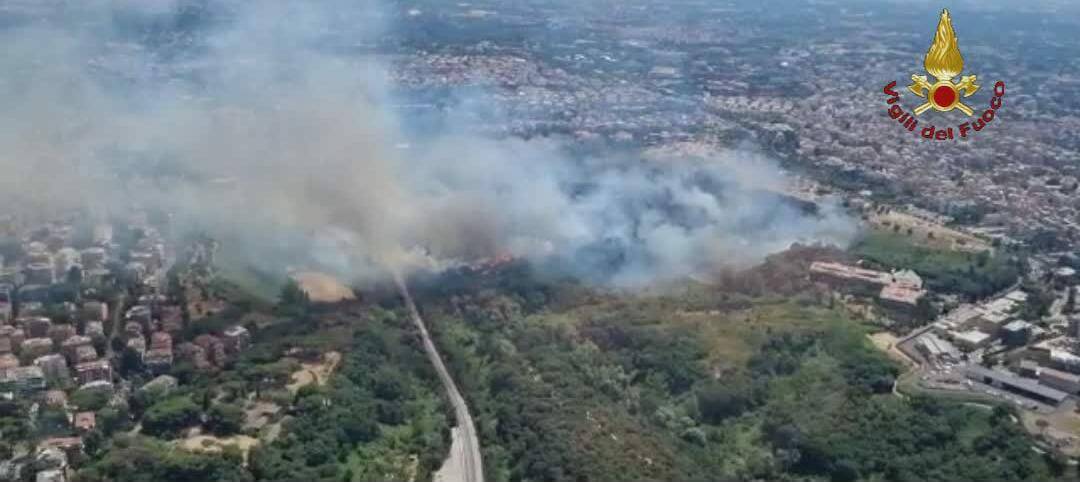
158	360
35	326
71	345
160	340
237	339
137	344
17	335
85	354
95	330
95	311
8	360
98	370
53	366
172	319
195	354
85	421
215	349
35	347
133	329
140	314
22	379
71	446
62	332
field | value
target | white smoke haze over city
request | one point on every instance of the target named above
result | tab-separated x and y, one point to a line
281	142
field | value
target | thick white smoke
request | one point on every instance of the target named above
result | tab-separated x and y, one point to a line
276	136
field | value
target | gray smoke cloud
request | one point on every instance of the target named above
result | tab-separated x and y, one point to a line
267	127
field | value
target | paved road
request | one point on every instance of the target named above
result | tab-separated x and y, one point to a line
117	322
464	463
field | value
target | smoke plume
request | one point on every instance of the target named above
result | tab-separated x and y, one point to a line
269	126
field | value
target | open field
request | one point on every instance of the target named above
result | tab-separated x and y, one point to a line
927	233
322	287
209	443
886	342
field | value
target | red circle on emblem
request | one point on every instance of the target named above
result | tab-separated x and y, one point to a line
944	96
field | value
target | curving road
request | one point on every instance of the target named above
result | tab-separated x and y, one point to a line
464	463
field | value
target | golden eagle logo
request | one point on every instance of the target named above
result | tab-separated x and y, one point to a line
944	62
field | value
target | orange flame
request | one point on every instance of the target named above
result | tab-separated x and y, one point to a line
943	60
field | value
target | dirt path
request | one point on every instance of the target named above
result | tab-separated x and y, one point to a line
317	373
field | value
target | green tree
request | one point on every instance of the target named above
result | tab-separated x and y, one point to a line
722	399
168	417
89	400
114	419
53	422
224	419
142	459
292	295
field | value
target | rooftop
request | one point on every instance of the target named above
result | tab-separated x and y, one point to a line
1017	296
851	272
1017	325
901	293
972	336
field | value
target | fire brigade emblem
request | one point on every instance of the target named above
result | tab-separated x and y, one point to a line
944	62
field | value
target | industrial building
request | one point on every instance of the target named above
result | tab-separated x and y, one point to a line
1064	381
934	348
1016	333
1021	386
971	339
